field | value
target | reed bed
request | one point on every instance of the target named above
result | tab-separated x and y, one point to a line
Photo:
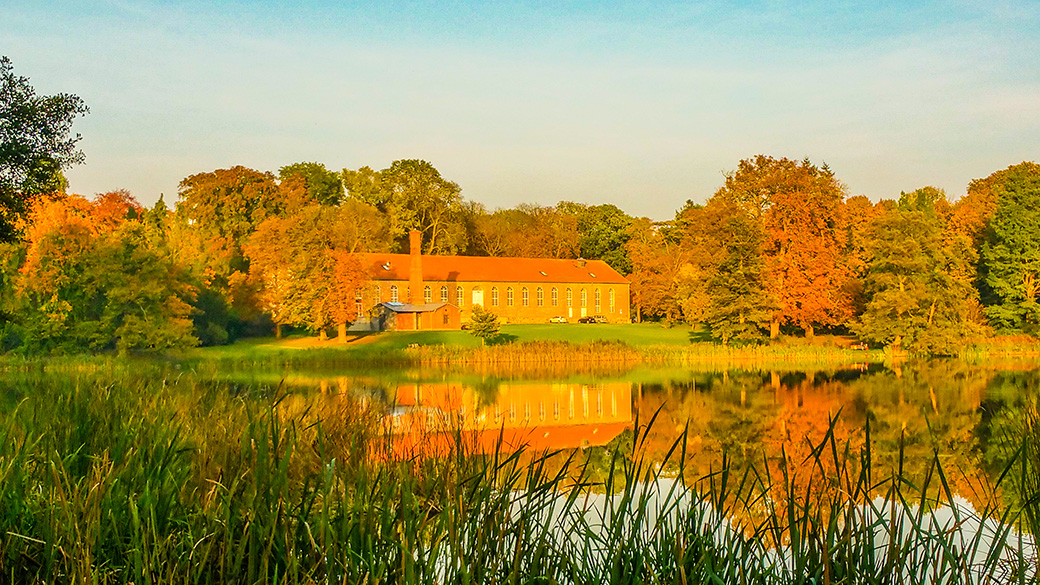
185	479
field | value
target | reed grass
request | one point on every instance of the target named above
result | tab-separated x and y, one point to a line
117	478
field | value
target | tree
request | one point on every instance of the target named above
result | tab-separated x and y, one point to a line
739	300
656	263
305	263
414	196
800	209
230	203
483	324
918	293
602	233
323	186
1011	251
35	145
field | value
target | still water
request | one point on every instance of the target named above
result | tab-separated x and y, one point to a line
964	416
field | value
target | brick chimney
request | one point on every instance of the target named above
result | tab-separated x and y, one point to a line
415	280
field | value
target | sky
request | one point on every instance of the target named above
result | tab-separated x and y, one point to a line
640	104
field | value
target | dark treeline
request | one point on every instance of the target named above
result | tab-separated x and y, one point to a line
780	247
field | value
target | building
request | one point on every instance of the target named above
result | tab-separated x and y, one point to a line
412	291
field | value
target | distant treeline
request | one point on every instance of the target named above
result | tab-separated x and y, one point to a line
779	247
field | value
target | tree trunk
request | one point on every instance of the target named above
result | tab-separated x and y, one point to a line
322	336
341	332
277	330
774	328
809	331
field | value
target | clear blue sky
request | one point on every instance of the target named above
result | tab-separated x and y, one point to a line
641	104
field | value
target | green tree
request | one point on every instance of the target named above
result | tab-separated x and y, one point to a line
323	186
739	300
918	292
35	145
414	196
483	324
602	233
1011	250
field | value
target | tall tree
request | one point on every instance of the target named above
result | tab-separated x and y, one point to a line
656	262
309	275
918	294
740	302
35	145
1011	251
800	209
414	196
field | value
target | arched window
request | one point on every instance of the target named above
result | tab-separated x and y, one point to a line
525	297
597	295
540	296
584	298
555	296
570	298
427	294
610	299
393	293
478	296
459	296
494	296
509	296
444	295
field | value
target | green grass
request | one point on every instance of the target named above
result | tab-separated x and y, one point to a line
111	477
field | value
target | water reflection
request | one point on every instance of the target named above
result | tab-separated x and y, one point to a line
959	412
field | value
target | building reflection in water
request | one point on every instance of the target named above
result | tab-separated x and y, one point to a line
535	416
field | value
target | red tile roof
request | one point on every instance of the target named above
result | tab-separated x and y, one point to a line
485	269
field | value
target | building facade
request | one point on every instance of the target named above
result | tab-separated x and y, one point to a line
518	290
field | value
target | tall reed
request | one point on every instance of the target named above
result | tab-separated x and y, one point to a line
185	479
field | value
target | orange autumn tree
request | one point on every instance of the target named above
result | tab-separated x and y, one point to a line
799	208
306	265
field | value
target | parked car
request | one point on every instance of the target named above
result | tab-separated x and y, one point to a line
558	319
599	318
587	320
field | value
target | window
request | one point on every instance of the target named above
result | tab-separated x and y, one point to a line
427	295
494	296
525	297
610	299
445	317
584	298
358	310
458	296
509	297
570	298
540	296
597	301
393	293
444	294
378	293
478	296
357	293
555	296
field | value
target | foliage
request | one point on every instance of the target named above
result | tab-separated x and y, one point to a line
414	196
918	289
1011	252
95	276
740	303
307	267
322	185
800	209
35	145
483	324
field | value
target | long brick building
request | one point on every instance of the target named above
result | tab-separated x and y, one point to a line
413	291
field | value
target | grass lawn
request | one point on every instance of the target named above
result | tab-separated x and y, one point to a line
636	335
